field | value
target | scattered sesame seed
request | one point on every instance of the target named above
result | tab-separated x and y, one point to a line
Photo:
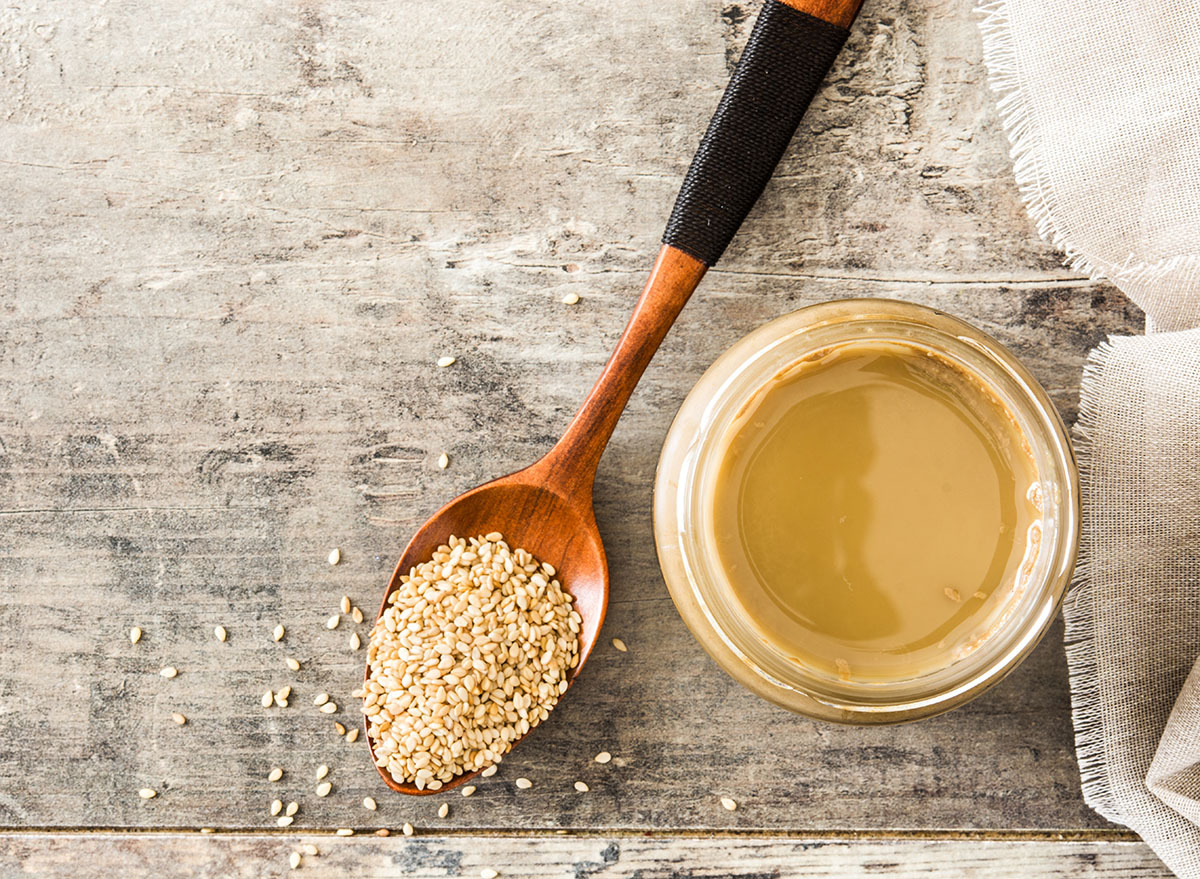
169	672
345	831
275	774
952	594
603	757
980	595
277	633
310	850
267	699
328	708
620	645
281	700
356	615
570	299
490	771
276	807
135	635
332	622
728	804
324	788
443	810
352	735
581	787
284	820
355	641
285	692
369	803
345	605
335	556
147	793
341	730
293	664
221	634
445	360
407	829
322	771
179	718
292	808
524	783
468	790
294	860
320	699
383	831
443	461
488	873
208	830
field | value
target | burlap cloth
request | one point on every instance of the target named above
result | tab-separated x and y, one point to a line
1101	102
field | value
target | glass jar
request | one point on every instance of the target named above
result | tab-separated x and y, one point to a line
683	501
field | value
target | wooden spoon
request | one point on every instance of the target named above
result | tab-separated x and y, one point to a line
547	507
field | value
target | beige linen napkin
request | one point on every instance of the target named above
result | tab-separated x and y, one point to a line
1101	102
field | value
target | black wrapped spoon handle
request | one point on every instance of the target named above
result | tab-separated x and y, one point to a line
789	52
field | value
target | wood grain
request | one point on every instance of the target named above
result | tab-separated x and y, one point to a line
237	239
98	856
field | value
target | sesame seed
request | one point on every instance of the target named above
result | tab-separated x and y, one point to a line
980	595
335	556
488	873
276	807
524	783
135	635
332	622
285	692
275	774
169	672
443	810
328	708
570	299
179	718
221	634
490	771
278	633
324	788
292	808
320	699
383	831
294	860
293	664
443	461
445	360
322	771
620	645
281	698
407	829
352	735
356	615
341	730
345	605
603	757
581	787
284	820
369	803
147	793
952	594
268	698
468	790
310	850
208	830
355	641
345	831
728	804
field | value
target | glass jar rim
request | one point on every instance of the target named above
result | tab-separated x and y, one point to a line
688	559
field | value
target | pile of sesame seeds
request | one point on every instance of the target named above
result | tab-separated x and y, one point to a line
473	651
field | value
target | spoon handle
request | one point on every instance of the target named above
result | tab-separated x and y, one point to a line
789	52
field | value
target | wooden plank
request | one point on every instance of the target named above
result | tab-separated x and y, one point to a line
239	237
228	856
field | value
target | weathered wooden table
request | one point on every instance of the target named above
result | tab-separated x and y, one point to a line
237	235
